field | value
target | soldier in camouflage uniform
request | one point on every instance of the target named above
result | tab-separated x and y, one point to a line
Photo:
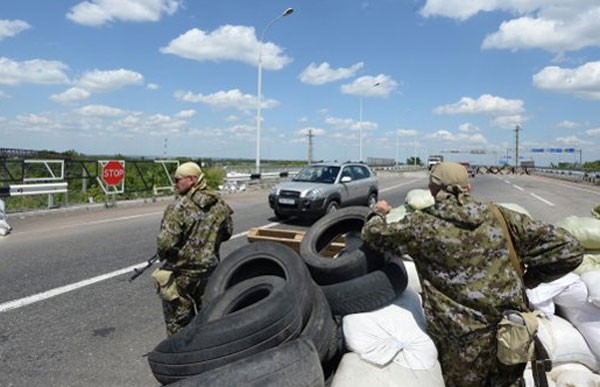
461	255
191	232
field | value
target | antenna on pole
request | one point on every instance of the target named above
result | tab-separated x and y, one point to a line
310	136
517	130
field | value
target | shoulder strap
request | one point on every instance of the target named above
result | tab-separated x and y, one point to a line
512	254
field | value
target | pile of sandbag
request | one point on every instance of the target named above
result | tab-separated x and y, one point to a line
570	329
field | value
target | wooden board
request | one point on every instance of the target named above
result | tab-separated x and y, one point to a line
292	238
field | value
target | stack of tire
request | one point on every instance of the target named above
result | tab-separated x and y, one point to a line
271	316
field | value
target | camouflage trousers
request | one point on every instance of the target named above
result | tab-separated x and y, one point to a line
179	312
471	362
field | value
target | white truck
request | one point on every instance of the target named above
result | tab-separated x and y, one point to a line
433	160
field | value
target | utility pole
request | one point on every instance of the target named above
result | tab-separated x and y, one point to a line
310	145
165	147
517	130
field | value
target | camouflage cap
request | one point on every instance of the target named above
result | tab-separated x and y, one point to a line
188	169
448	173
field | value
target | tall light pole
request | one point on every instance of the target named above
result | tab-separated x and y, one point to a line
360	123
259	94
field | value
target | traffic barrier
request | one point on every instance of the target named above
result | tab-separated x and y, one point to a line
33	189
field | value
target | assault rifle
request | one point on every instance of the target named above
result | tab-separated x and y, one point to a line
137	272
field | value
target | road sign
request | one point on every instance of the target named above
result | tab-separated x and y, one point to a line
113	173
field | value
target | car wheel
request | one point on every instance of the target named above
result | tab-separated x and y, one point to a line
372	199
279	215
333	206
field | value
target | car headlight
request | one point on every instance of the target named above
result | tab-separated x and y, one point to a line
313	194
274	190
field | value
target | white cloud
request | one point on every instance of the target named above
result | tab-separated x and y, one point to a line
593	132
100	111
74	94
323	73
99	12
369	86
583	81
552	25
186	113
102	81
226	100
236	43
406	132
568	124
4	95
446	135
35	71
339	123
468	128
314	131
509	122
485	104
10	28
152	86
571	140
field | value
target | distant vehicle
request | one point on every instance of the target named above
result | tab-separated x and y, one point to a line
322	188
470	169
433	160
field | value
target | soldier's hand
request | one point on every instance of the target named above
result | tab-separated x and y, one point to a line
382	207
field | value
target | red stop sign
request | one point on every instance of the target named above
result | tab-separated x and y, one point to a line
113	173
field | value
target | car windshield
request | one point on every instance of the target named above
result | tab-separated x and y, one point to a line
318	174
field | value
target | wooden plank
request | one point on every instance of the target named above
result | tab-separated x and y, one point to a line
293	238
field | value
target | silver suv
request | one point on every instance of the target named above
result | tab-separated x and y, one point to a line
322	188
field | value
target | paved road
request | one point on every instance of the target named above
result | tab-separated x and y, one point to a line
69	317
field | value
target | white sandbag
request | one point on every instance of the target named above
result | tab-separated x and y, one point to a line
574	375
585	229
565	344
389	334
414	282
591	280
590	262
419	199
528	376
354	372
541	297
396	214
411	301
573	295
516	208
586	318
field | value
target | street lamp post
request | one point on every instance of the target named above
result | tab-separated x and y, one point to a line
360	123
259	94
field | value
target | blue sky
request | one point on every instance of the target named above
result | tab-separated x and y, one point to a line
180	78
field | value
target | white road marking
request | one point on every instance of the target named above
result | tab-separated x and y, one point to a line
400	185
15	304
517	187
542	199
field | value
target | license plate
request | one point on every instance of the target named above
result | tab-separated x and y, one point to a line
286	201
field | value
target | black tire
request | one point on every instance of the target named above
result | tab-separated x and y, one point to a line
372	199
354	261
321	328
293	364
332	207
250	317
279	215
263	258
368	292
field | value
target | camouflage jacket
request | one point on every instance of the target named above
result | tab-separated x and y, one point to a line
192	229
462	259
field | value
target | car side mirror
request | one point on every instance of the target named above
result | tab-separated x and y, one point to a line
346	179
